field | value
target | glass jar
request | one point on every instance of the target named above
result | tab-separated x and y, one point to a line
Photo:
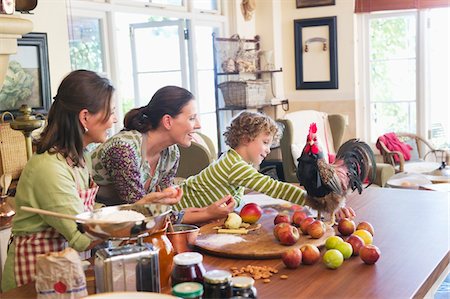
243	287
188	267
217	284
191	290
166	253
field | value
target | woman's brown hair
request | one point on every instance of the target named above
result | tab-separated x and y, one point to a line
167	100
79	90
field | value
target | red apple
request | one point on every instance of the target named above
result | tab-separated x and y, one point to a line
316	229
288	235
356	242
277	227
292	258
281	217
305	223
310	254
346	226
366	226
298	217
251	213
369	254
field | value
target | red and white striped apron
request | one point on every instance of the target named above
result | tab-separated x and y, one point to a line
48	240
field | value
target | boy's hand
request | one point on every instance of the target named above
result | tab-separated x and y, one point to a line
222	207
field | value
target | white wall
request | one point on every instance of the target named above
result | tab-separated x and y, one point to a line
345	40
50	16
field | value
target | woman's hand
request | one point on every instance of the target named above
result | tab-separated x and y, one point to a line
169	196
345	212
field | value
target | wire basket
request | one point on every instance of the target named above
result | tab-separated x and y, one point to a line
250	93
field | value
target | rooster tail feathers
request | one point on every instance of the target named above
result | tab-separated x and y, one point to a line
359	158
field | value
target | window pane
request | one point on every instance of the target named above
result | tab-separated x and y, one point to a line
393	80
206	95
208	123
392	65
155	43
205	4
204	48
439	78
85	42
150	83
392	117
205	76
169	2
393	38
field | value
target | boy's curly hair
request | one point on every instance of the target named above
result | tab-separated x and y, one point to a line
248	125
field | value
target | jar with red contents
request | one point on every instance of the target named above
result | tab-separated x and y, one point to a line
187	267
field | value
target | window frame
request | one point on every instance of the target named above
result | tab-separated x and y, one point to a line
363	103
109	8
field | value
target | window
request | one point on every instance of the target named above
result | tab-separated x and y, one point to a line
87	43
152	47
405	67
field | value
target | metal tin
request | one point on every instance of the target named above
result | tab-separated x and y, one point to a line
127	268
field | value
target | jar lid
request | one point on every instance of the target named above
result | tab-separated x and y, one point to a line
188	258
187	290
242	282
217	276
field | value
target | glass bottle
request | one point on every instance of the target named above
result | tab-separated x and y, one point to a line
243	286
188	267
185	290
217	284
166	254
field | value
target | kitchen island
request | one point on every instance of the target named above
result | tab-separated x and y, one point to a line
411	230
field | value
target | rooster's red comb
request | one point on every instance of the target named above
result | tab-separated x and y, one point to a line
313	128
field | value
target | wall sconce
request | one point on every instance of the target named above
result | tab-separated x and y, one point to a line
316	40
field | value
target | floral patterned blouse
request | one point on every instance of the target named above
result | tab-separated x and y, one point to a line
119	162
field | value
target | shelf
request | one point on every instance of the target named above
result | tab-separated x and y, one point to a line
282	102
255	72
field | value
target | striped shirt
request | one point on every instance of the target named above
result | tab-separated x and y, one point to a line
231	175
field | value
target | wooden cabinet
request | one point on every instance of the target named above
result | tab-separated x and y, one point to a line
242	79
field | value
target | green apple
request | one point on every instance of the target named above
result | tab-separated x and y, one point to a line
333	258
332	241
345	248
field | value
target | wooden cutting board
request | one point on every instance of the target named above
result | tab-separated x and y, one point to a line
259	244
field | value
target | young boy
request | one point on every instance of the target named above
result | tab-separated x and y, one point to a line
249	137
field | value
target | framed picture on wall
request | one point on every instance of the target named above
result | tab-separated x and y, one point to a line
316	63
27	79
313	3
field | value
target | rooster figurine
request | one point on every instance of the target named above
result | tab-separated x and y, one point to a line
328	184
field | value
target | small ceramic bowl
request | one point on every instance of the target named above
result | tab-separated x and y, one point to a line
183	237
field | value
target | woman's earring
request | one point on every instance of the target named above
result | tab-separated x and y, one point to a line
86	130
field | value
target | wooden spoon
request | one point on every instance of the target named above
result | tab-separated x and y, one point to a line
65	216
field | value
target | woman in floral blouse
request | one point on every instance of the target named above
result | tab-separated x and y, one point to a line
144	156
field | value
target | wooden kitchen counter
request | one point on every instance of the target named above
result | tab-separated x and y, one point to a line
411	230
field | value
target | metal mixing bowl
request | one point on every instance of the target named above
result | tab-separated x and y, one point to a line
155	216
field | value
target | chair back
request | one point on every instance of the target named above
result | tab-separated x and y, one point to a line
330	130
197	157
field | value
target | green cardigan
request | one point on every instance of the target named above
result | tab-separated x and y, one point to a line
47	182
